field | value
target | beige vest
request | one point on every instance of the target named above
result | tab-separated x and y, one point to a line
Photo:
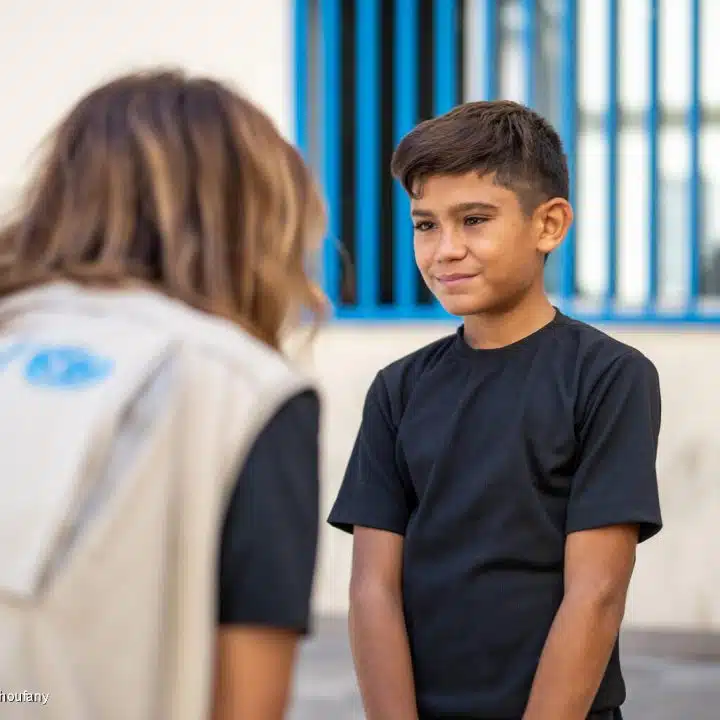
124	420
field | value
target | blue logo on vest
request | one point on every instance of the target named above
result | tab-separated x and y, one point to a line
67	367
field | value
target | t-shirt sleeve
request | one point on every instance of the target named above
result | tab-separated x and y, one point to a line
269	542
372	493
615	480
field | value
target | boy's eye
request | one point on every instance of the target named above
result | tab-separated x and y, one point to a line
475	220
424	226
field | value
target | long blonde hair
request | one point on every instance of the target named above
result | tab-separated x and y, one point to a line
179	183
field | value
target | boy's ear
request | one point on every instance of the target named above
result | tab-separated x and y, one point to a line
553	220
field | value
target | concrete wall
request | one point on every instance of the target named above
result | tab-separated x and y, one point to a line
55	51
677	579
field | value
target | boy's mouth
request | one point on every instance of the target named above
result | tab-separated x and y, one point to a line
452	279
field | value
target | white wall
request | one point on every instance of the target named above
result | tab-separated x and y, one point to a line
55	51
677	578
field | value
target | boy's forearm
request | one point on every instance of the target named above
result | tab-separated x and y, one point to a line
381	654
575	658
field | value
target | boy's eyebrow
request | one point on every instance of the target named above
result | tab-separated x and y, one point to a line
459	208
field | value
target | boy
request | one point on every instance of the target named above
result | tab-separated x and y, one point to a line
503	476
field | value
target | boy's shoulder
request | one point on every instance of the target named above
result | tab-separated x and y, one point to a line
593	351
419	360
397	379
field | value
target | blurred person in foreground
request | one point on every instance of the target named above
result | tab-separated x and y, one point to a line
503	476
159	455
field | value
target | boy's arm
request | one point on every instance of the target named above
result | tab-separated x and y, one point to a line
377	627
374	503
598	567
613	505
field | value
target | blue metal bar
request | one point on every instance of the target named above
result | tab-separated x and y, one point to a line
490	42
445	65
301	74
530	49
568	131
330	14
611	132
694	123
405	86
367	149
653	171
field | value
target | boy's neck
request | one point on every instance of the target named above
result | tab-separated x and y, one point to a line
486	331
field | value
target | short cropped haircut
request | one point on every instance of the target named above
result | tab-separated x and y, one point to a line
514	143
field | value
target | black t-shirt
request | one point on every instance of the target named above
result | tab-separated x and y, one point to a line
269	541
485	460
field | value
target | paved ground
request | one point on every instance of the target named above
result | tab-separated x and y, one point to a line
658	689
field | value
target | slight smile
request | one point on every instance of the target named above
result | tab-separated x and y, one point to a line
454	279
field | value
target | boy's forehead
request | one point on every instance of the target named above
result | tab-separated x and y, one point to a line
446	190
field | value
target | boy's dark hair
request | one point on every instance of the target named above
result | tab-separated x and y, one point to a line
502	137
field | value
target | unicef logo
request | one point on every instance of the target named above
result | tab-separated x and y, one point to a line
66	367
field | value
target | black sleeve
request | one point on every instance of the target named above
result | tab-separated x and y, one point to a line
615	481
269	542
372	493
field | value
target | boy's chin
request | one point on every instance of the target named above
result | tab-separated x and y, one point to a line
467	305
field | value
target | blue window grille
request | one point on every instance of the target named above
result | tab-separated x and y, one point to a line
368	70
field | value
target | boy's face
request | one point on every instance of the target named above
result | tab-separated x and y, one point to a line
476	248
